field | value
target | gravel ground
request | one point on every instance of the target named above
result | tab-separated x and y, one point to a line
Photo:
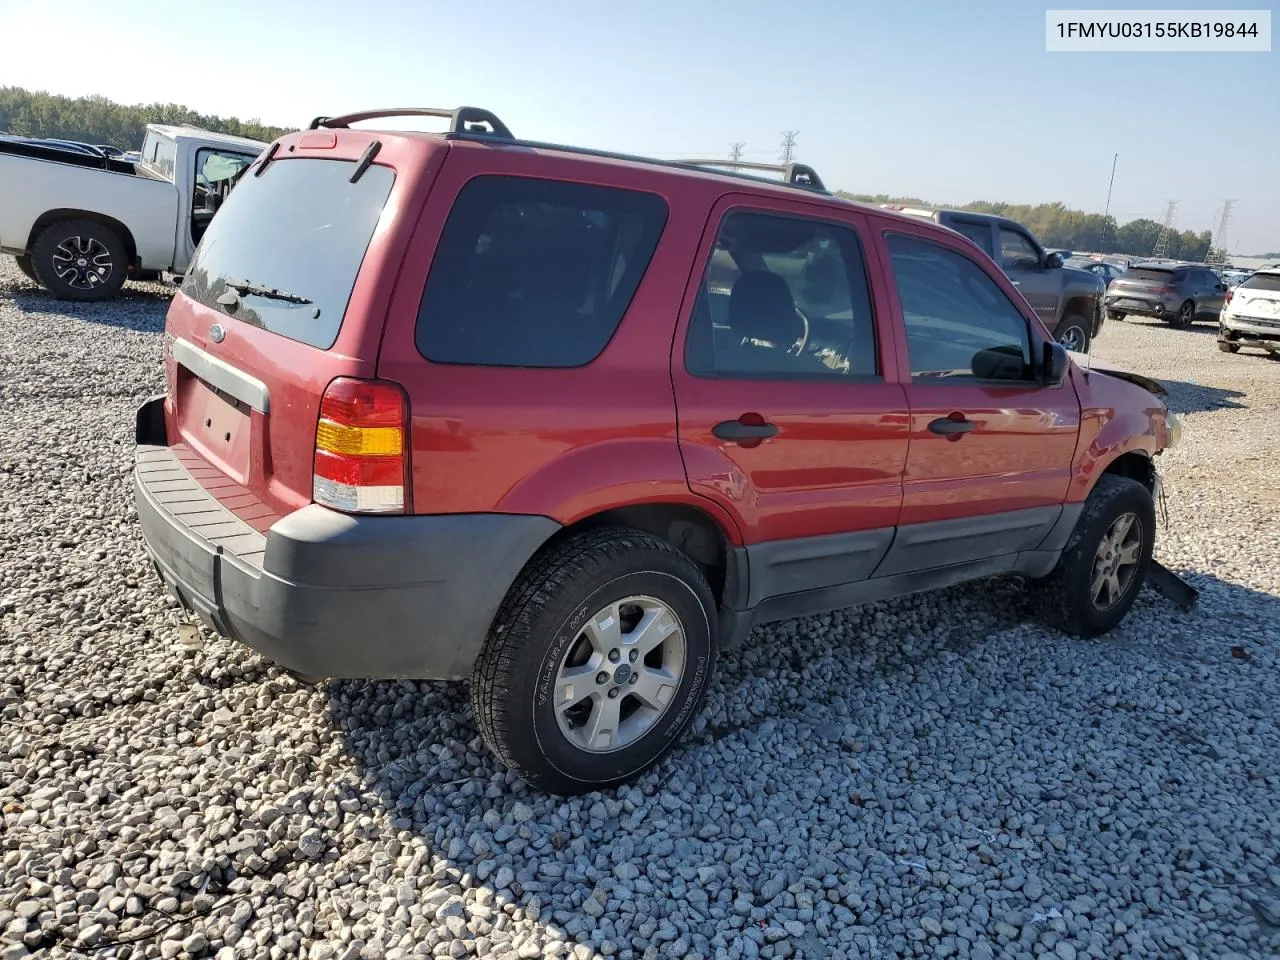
934	777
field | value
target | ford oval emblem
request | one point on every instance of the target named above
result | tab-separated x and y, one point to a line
217	333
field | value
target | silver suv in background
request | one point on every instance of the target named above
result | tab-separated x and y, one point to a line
1251	316
1177	293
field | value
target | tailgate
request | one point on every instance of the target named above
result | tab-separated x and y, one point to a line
286	292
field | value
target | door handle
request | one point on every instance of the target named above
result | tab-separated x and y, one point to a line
738	431
949	427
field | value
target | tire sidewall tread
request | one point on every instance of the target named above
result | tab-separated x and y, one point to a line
55	233
543	613
1064	596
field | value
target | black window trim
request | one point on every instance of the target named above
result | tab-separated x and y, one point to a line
550	368
833	378
1035	342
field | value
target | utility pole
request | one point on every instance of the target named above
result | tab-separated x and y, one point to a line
735	152
1111	184
1218	254
1162	242
789	145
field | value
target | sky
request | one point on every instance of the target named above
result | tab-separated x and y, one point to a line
947	101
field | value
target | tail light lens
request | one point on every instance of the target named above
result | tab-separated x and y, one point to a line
1229	293
362	449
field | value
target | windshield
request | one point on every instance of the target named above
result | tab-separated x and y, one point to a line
301	227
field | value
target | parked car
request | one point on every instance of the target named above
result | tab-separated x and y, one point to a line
421	421
1251	316
1099	268
1177	293
1068	301
82	221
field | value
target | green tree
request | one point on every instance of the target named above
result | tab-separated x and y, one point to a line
96	119
1057	225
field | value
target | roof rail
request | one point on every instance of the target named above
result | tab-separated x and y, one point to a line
462	120
796	174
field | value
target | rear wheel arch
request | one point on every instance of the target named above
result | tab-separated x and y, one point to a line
61	215
706	539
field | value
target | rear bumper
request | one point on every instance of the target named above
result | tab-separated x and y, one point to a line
328	594
1235	329
1140	306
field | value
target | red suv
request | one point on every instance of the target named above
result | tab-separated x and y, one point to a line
567	423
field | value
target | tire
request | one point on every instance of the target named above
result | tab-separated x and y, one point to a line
70	277
1066	596
1185	316
542	626
1226	347
1115	315
1073	333
24	264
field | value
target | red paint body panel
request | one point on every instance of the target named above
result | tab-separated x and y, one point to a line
835	465
276	462
1118	417
555	442
1021	451
633	426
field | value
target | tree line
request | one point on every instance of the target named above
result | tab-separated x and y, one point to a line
1056	225
97	120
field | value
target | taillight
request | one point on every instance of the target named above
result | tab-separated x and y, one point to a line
362	449
1229	293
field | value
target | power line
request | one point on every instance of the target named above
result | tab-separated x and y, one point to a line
789	145
1107	211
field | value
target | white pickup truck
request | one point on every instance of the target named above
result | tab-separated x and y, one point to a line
80	225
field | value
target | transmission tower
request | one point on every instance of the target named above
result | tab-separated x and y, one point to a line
735	152
1162	242
789	145
1218	254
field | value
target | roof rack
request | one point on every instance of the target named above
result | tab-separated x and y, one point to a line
469	121
795	174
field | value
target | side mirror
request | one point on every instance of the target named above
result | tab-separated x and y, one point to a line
1052	261
1056	360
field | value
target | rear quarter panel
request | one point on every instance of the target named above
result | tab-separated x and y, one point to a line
147	207
1116	417
566	442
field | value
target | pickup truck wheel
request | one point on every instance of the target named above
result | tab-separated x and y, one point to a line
596	662
24	264
80	260
1105	563
1073	333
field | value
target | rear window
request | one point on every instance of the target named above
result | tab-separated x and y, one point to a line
302	229
1269	282
535	273
1160	276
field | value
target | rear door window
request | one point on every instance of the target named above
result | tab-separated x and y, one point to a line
535	273
979	233
302	229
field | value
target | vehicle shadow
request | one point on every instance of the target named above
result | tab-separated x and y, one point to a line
138	306
1187	396
580	866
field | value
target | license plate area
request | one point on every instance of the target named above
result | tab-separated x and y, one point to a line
215	425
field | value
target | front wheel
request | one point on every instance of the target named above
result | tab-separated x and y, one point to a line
1115	315
1228	347
1106	560
597	661
1073	333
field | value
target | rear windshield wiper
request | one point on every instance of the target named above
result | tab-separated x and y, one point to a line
237	288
